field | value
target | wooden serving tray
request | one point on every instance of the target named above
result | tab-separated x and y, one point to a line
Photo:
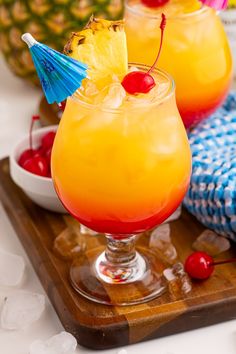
99	326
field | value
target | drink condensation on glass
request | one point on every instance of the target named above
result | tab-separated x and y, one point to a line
195	52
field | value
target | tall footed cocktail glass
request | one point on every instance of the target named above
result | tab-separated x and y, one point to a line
196	51
121	171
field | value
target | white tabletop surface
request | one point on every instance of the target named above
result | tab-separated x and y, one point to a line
18	101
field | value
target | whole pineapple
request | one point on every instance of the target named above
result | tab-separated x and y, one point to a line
49	21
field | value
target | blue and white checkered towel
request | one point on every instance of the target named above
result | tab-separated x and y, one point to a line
212	193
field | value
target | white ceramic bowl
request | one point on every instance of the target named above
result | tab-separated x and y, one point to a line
39	189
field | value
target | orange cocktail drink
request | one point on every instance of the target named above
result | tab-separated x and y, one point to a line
121	164
195	52
122	170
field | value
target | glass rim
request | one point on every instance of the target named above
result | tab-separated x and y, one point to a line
162	99
203	9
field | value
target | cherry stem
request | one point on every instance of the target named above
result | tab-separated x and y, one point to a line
231	260
34	118
162	27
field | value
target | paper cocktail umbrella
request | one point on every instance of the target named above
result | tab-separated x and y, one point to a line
60	75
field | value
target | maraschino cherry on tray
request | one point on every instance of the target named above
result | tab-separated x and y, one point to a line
139	81
37	161
199	265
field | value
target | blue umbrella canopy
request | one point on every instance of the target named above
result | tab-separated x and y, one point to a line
60	75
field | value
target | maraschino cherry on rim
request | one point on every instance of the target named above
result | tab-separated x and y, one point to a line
139	81
199	265
154	3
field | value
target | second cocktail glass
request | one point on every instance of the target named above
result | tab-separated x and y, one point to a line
196	53
121	171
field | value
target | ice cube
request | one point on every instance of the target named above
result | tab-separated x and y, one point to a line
178	271
62	343
114	97
86	231
173	284
133	68
21	308
160	239
38	347
211	243
122	351
115	78
151	28
69	243
12	269
162	89
90	89
140	100
161	234
178	281
186	284
176	215
168	274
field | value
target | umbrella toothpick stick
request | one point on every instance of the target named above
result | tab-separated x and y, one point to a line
28	39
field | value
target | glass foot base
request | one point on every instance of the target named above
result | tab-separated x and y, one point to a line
135	282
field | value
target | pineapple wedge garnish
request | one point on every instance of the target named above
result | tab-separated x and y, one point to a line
102	46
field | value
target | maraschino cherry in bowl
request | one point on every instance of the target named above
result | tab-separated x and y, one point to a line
39	188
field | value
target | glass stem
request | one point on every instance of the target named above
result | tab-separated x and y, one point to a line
120	250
